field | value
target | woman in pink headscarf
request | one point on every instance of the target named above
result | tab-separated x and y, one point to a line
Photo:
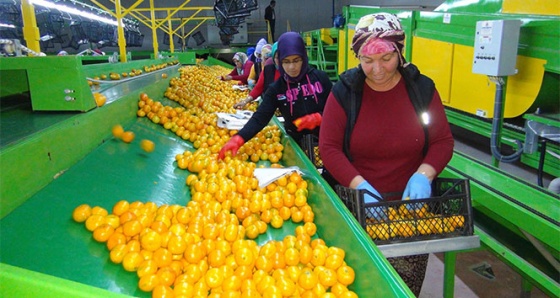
384	127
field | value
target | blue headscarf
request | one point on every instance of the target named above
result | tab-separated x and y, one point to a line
250	51
291	43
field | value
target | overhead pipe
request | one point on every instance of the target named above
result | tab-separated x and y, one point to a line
497	125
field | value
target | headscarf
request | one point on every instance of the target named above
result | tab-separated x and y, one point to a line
382	29
291	43
259	45
250	51
242	57
265	51
272	54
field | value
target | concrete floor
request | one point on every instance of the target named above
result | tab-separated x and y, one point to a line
498	281
469	284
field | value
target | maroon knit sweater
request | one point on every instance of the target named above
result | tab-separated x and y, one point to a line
387	140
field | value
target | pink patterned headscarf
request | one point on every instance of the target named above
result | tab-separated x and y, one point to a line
377	31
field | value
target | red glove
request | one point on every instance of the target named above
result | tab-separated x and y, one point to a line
232	145
308	121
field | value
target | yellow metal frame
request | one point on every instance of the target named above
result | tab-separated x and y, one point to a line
32	35
154	23
30	30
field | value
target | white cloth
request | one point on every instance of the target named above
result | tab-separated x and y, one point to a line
233	121
269	175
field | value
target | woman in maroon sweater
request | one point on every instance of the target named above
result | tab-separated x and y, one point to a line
241	70
389	148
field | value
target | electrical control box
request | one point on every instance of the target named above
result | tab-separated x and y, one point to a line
495	47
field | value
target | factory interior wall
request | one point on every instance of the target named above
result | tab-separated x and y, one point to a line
291	15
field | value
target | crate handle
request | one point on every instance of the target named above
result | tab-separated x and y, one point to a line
456	183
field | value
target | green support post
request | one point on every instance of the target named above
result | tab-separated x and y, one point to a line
449	273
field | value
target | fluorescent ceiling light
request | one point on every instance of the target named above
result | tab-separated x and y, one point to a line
75	11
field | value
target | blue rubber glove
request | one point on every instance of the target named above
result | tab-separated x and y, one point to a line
372	212
418	187
368	198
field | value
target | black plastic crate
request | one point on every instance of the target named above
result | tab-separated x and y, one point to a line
447	214
310	145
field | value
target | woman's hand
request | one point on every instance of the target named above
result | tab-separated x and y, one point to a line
240	105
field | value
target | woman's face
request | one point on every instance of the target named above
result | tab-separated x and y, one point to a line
292	65
237	63
380	69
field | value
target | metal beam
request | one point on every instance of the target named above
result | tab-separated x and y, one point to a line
30	30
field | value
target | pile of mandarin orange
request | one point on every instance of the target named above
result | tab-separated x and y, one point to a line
207	248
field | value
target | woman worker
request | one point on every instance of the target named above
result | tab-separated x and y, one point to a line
259	66
269	74
300	95
241	70
400	140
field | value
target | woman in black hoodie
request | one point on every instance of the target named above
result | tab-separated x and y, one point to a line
300	94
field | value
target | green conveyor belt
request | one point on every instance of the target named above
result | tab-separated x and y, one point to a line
44	253
42	235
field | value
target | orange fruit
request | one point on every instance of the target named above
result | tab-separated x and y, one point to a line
166	276
334	261
328	277
291	256
150	240
117	131
162	291
94	221
348	294
338	289
148	282
132	260
163	257
147	267
216	258
115	239
81	213
127	136
99	210
244	256
307	279
345	275
214	278
132	228
120	207
117	253
147	145
100	99
103	232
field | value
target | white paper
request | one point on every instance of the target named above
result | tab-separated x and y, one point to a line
269	175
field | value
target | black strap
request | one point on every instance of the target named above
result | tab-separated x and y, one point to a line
420	101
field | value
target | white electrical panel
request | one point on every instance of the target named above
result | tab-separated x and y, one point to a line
495	47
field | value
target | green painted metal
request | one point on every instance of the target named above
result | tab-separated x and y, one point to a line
529	273
53	142
449	259
38	234
13	82
506	206
18	282
484	128
52	82
93	70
